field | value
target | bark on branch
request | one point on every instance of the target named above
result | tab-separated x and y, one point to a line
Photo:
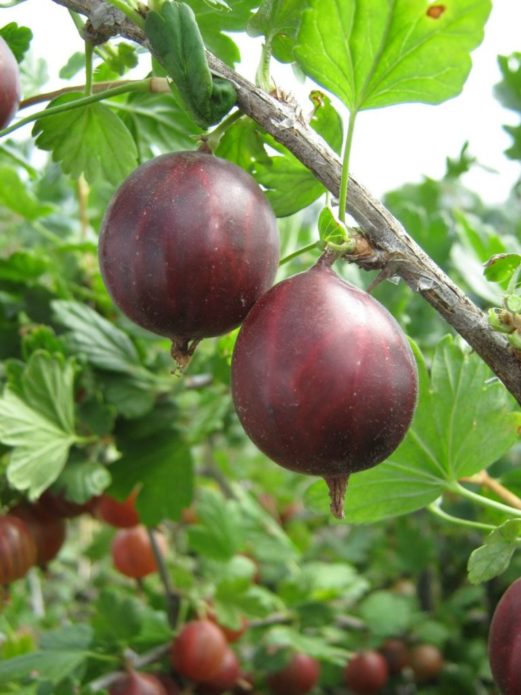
398	251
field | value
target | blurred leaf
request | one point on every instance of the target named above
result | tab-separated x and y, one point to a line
18	39
15	195
82	481
131	396
89	140
326	120
514	152
63	651
39	423
501	267
380	54
119	619
387	614
508	91
23	266
73	66
282	636
219	533
493	558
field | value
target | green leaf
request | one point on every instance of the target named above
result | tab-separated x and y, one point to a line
89	140
23	266
15	195
326	120
218	535
373	53
104	345
493	558
387	614
154	456
278	21
63	651
177	44
464	421
116	618
158	121
18	39
501	267
508	91
317	647
514	152
81	482
38	421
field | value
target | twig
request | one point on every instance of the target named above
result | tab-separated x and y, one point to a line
399	251
173	599
136	661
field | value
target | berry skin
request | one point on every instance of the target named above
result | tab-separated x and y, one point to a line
119	514
17	549
9	84
187	246
198	650
299	676
426	661
323	379
48	531
504	641
366	673
132	552
135	683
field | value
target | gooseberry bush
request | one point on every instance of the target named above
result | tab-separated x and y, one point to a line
235	457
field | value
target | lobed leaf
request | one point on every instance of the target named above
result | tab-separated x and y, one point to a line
373	53
90	140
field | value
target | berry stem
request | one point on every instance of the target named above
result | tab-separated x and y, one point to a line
435	508
484	501
344	180
173	599
299	252
337	490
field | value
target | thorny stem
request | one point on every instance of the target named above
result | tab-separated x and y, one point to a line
435	508
137	86
485	480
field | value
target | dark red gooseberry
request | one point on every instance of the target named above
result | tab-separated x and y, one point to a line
366	673
49	532
56	504
323	379
504	641
299	676
135	683
225	677
396	652
119	514
133	554
426	661
188	244
198	650
17	549
9	84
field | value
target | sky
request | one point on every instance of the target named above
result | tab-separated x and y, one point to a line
392	146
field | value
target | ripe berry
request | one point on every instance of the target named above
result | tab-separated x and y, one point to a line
48	531
396	652
298	677
504	641
323	379
132	552
198	650
224	678
119	514
366	673
17	549
188	244
9	84
135	683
